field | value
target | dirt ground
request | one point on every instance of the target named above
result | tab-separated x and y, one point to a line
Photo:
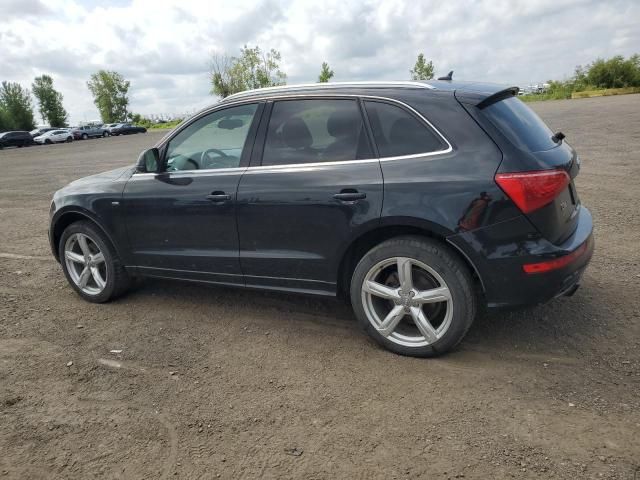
221	383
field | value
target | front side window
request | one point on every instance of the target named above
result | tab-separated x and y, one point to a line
397	132
213	141
309	131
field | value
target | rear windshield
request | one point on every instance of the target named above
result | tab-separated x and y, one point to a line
520	125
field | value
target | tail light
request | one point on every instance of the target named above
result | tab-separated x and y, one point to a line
533	190
556	263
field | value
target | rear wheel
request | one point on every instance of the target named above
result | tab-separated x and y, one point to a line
90	263
69	139
105	134
413	296
84	136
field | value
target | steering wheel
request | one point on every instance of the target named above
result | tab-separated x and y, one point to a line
207	158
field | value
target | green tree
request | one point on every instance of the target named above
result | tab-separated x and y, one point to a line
49	101
252	69
110	91
615	72
326	73
422	70
16	109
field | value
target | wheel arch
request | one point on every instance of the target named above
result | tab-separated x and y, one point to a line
369	239
71	215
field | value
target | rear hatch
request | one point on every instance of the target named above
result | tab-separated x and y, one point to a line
538	168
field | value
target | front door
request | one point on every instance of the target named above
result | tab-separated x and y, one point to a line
317	187
182	222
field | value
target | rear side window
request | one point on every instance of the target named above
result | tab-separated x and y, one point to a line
310	131
398	133
520	125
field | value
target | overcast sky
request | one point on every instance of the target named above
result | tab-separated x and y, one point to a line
164	47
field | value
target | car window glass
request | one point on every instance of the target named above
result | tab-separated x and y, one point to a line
308	131
213	141
520	124
397	132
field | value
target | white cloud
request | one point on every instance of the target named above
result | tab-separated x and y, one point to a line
163	47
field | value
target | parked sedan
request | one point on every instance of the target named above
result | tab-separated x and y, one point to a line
55	136
40	131
15	139
127	129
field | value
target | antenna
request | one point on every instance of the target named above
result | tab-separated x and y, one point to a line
448	77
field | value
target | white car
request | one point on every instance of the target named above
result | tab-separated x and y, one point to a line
55	136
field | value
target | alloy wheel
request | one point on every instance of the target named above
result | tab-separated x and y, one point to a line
407	302
85	263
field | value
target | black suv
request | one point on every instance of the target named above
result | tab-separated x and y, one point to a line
15	139
417	201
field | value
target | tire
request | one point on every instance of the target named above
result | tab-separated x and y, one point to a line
48	142
105	134
112	273
69	140
84	136
436	273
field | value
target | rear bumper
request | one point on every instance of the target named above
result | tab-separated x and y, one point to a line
499	253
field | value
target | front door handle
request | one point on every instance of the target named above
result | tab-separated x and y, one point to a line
219	197
350	196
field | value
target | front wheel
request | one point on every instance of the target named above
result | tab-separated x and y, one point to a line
91	264
69	139
105	134
413	296
84	136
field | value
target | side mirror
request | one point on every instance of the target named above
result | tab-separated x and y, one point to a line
148	161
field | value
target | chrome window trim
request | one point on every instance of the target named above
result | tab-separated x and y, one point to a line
301	166
329	85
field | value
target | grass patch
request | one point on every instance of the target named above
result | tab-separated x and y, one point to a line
605	92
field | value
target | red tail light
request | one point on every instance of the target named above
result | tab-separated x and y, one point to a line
556	263
533	190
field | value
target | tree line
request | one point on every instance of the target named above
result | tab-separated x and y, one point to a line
253	68
615	72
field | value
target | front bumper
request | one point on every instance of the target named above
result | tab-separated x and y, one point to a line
498	253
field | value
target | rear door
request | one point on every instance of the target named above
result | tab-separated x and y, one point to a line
314	186
182	222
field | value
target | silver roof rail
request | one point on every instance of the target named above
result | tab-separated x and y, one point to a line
308	86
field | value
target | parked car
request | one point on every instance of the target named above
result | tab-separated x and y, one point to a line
15	139
54	136
39	131
109	126
418	201
127	129
89	131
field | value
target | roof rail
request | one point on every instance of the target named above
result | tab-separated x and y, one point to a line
306	86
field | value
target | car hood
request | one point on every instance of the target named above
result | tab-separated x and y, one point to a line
104	178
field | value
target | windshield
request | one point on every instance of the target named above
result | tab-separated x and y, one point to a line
520	125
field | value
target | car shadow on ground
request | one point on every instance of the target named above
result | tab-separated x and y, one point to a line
564	325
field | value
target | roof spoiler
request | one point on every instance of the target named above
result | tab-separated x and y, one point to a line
496	97
483	97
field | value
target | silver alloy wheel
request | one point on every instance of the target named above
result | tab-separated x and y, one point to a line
407	301
85	263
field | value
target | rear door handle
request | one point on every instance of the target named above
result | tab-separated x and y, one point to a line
350	196
219	197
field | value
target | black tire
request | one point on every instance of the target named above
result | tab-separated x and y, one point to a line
69	139
105	134
85	136
117	281
48	142
442	260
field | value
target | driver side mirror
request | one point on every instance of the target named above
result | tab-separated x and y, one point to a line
148	161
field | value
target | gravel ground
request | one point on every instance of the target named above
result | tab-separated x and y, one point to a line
221	383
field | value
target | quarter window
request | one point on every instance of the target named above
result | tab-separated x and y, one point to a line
398	133
309	131
213	141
